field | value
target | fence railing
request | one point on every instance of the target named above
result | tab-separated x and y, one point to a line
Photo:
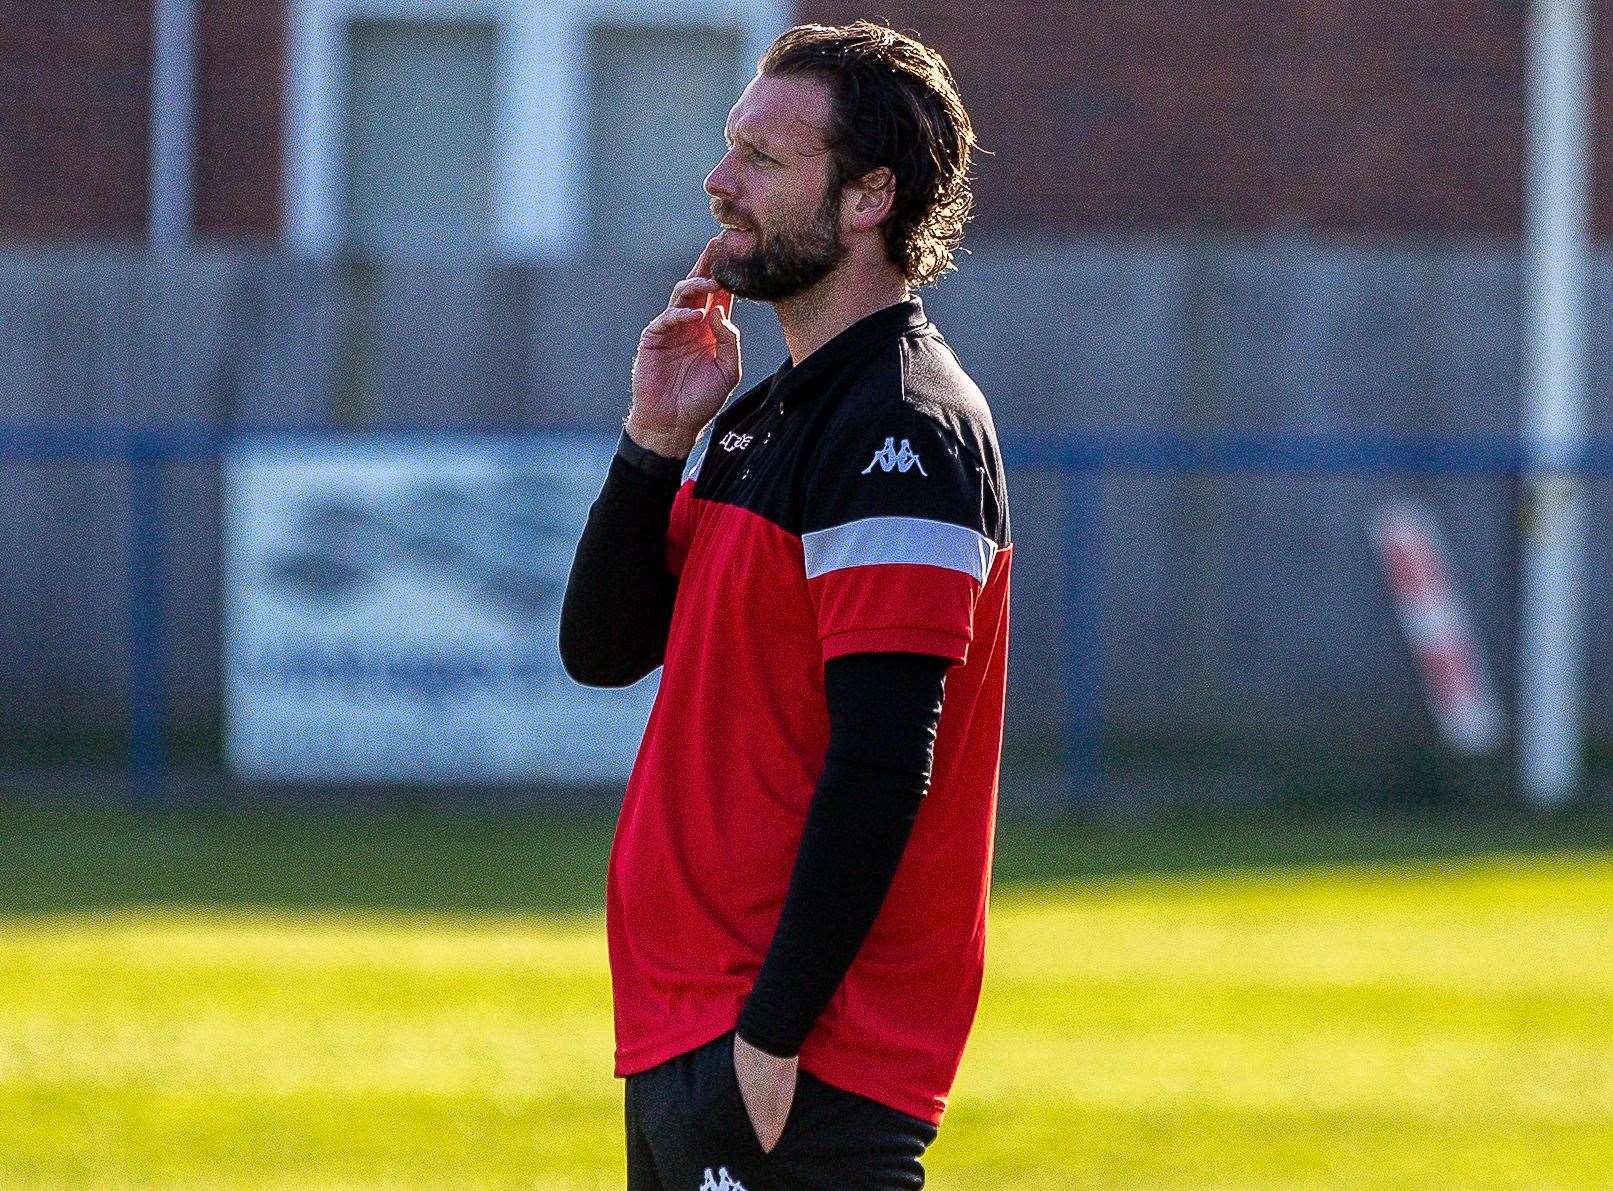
1084	459
1081	459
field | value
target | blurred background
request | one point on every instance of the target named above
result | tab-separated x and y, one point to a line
316	321
332	216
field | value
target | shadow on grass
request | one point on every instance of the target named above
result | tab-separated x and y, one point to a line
55	861
1229	841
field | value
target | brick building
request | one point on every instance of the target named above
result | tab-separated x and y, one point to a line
76	127
1322	116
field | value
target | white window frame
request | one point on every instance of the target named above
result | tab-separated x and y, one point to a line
540	104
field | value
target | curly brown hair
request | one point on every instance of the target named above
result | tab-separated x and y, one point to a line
896	106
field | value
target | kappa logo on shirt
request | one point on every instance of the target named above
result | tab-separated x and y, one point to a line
889	459
726	1183
735	441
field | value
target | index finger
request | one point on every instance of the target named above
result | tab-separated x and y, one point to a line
702	267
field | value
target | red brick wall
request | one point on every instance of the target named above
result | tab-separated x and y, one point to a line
1315	115
241	74
74	117
75	120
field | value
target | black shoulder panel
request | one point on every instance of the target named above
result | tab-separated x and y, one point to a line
901	431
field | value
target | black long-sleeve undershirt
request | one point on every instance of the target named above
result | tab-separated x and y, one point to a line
618	603
883	709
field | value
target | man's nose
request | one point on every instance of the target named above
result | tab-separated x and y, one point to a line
720	182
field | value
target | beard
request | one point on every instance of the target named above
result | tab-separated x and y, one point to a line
791	256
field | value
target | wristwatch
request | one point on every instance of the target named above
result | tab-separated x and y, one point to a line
647	461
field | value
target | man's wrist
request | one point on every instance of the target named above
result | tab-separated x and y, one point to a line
762	1055
651	462
755	1034
668	445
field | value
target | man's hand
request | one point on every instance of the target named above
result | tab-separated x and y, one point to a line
767	1085
686	365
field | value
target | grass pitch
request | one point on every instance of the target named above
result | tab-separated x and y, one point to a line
332	1001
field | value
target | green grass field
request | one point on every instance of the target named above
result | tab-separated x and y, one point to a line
324	1001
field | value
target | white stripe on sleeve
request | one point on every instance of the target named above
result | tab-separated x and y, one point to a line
883	540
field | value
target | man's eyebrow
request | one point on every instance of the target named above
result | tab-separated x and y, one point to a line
751	142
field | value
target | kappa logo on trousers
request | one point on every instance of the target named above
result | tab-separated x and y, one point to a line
726	1183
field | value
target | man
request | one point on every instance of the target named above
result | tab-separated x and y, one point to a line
797	891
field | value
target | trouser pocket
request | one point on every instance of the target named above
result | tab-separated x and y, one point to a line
837	1139
723	1140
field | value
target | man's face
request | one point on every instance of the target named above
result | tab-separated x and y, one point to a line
772	193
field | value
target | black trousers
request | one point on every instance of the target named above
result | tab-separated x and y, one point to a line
687	1130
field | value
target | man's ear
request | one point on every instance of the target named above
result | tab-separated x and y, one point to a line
868	200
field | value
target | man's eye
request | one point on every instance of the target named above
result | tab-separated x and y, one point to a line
751	153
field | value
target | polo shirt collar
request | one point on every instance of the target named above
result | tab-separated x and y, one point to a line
792	382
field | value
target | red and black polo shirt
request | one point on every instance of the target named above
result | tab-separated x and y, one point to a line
853	504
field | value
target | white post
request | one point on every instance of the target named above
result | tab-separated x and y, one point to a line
1556	209
173	125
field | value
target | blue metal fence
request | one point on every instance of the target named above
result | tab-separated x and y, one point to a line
1082	460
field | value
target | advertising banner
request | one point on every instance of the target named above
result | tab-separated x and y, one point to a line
392	608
